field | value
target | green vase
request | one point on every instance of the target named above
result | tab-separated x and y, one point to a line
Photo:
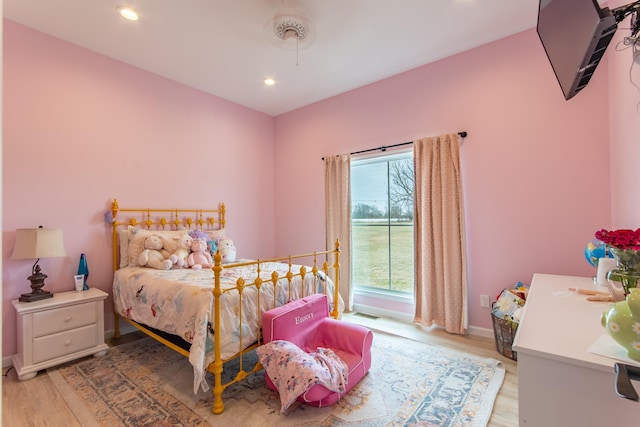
626	275
622	322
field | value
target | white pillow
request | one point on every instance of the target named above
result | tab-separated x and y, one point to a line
123	241
215	234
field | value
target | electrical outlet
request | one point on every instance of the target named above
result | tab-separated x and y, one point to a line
484	301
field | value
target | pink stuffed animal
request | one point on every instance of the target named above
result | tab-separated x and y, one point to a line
199	257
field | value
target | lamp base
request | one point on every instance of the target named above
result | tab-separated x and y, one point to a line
35	296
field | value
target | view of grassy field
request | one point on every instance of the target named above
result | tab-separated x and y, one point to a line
375	247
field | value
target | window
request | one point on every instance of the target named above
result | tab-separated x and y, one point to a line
382	223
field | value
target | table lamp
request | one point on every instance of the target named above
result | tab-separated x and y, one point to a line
38	243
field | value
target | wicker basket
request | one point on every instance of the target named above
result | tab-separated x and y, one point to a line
505	331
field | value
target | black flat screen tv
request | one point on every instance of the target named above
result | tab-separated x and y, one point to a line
575	35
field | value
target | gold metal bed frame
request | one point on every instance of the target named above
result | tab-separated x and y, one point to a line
214	219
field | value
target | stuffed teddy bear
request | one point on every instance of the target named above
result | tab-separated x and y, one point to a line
181	249
153	254
227	250
199	257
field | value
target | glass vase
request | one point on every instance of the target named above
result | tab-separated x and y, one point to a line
626	274
83	268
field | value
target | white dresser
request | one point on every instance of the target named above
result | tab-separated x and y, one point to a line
60	329
560	382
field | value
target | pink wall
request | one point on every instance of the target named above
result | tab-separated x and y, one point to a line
624	119
81	129
535	167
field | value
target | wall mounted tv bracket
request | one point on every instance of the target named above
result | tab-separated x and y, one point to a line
619	13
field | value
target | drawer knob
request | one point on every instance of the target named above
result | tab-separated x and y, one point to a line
67	343
67	319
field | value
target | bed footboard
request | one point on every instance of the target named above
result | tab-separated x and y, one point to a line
217	365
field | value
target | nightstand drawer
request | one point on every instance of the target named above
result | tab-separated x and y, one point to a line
64	343
64	319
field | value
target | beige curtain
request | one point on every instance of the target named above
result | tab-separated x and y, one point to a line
440	265
337	182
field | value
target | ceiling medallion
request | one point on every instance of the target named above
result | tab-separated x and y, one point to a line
290	31
288	26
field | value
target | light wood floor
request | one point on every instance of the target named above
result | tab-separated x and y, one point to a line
36	402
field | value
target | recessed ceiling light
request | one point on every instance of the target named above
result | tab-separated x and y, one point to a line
127	13
269	81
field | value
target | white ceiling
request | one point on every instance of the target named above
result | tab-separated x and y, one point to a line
227	47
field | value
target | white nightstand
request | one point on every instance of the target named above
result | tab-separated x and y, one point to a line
60	329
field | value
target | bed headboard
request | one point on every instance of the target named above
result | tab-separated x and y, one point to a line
163	220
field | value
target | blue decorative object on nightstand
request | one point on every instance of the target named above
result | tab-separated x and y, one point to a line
83	268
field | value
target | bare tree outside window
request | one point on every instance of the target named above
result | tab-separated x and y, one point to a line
402	190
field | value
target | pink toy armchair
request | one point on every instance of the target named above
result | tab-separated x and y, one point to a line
306	323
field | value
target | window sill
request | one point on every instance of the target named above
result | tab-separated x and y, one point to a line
380	294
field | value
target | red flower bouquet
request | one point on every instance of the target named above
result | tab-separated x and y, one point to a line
625	248
621	239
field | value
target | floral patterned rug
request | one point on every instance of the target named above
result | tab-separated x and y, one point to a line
410	383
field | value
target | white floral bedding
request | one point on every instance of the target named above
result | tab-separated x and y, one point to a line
180	302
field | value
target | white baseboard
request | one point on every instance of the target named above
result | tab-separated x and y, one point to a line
407	317
481	332
7	361
380	312
125	328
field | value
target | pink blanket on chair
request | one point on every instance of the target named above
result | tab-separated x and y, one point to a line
293	371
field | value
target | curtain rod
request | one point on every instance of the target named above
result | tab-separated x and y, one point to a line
462	134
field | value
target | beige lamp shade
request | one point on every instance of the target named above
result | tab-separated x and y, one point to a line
32	243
